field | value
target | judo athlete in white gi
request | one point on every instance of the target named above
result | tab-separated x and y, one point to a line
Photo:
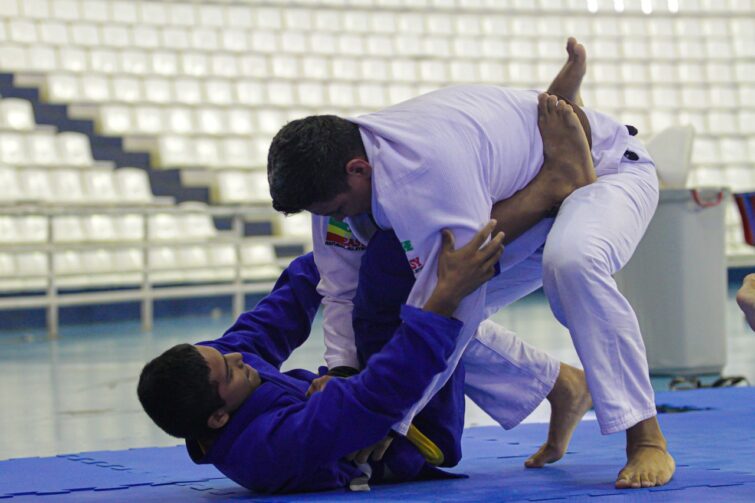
440	161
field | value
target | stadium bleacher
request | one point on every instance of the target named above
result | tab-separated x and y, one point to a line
144	105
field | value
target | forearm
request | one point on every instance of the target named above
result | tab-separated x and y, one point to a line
519	213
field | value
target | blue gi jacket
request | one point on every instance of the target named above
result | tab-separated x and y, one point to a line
280	441
385	280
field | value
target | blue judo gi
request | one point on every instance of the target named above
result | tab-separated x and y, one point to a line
280	441
385	280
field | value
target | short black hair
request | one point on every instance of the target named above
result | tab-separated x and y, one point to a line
306	161
176	392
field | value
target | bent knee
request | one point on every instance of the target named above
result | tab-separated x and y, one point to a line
575	263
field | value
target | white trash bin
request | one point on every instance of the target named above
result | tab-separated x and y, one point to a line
676	282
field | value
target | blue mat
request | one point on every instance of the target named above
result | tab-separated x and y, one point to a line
713	443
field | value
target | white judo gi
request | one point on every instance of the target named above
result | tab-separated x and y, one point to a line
440	161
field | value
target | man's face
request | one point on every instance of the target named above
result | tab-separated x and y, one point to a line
236	380
355	200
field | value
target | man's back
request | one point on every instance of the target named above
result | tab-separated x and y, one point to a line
486	130
490	133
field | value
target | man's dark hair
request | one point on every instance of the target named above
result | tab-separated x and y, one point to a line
306	161
176	392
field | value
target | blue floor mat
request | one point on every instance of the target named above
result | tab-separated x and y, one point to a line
712	444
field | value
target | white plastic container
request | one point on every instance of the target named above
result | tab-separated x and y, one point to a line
676	282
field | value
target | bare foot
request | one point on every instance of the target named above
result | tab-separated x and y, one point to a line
569	79
746	299
569	401
649	463
568	162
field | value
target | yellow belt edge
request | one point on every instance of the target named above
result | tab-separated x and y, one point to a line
426	447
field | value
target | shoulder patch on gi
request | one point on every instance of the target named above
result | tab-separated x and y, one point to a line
339	234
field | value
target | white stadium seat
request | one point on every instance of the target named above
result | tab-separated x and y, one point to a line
237	152
232	187
68	229
129	227
74	149
148	120
195	64
175	38
13	58
298	225
32	229
99	186
68	267
43	149
52	32
35	184
126	89
42	59
195	223
195	263
210	121
157	90
8	230
67	187
145	37
32	268
95	88
130	261
10	188
165	63
13	149
207	152
99	228
219	92
163	227
116	120
22	31
133	186
176	151
240	121
180	120
187	91
163	263
116	36
16	114
104	61
86	35
62	88
134	62
258	260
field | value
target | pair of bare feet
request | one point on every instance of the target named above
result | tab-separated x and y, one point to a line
568	166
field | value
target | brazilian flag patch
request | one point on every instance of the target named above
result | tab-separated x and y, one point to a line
339	234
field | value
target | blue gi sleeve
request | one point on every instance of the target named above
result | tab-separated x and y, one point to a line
350	413
281	321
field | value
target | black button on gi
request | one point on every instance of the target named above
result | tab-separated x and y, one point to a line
632	130
631	155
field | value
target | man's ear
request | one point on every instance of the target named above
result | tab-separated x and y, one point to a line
359	166
218	419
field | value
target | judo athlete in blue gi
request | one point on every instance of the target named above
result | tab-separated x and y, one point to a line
237	411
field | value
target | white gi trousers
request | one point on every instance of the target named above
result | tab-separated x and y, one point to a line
594	235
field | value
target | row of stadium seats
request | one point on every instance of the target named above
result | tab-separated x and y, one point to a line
125	266
390	16
389	64
205	42
94	227
97	186
45	148
234	121
254	94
